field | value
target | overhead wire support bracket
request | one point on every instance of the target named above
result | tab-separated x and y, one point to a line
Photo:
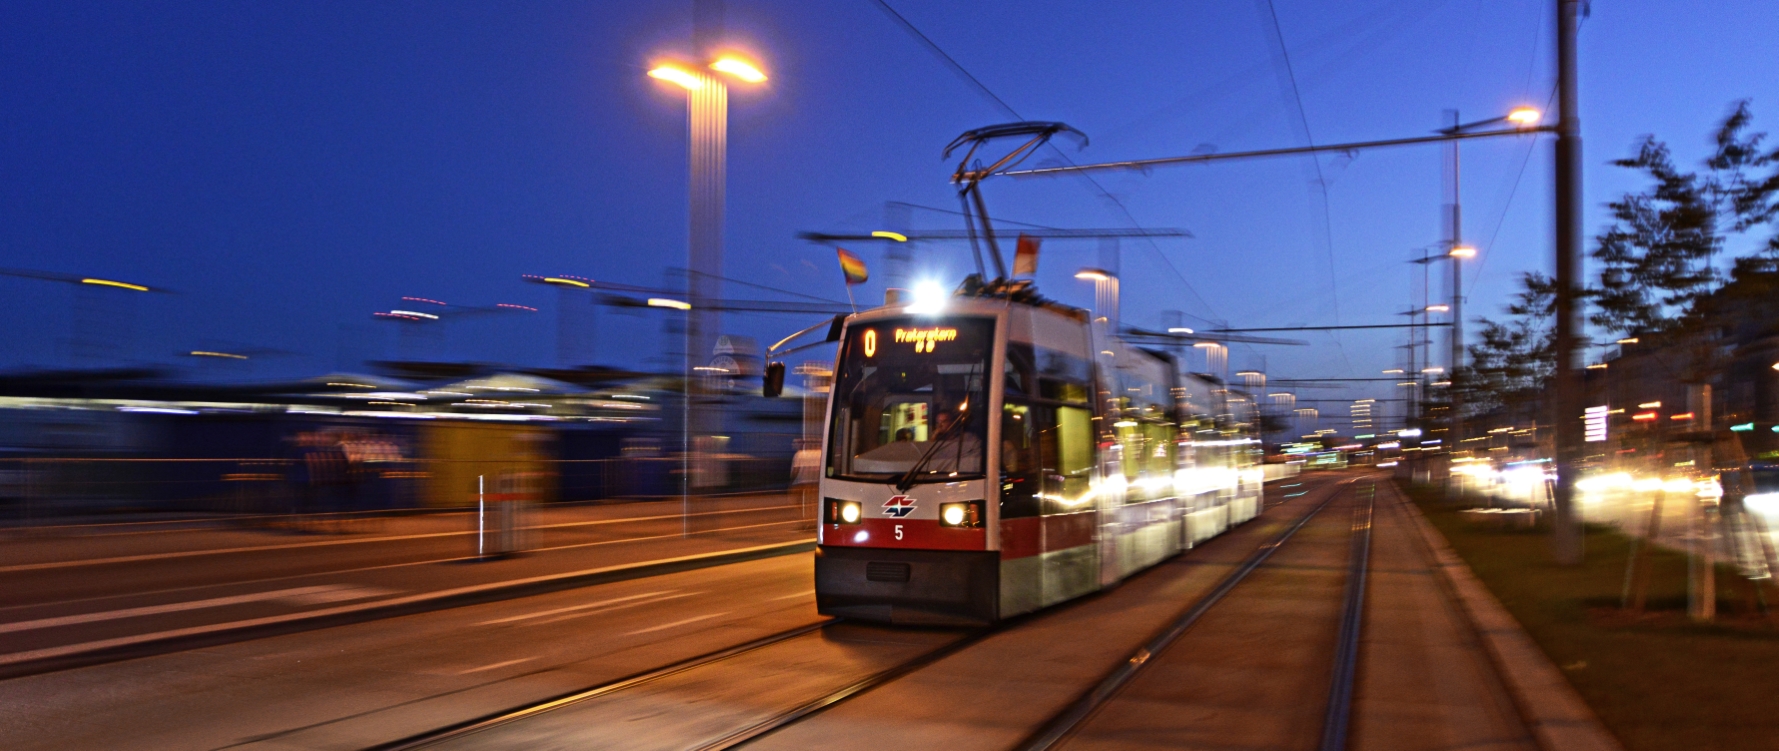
1144	164
970	178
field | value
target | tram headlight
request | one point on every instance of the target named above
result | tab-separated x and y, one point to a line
842	512
953	514
967	514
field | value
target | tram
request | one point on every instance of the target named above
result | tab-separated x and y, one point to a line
995	453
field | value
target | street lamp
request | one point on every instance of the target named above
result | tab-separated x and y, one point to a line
1526	118
1105	295
1216	358
707	116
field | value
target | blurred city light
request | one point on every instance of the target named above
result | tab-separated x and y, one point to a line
1525	117
1184	330
1096	275
1438	308
119	285
662	302
207	353
568	282
1628	340
1463	251
887	235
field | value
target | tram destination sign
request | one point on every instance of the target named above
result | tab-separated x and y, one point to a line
925	339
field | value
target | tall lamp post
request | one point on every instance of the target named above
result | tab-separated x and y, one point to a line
1457	251
707	111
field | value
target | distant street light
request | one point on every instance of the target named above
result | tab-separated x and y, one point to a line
110	283
662	302
1524	117
1105	296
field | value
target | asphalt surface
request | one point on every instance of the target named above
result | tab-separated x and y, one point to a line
359	685
1251	674
107	589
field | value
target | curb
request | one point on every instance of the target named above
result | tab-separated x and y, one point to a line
53	659
1550	707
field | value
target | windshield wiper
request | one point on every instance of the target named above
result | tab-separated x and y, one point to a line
907	480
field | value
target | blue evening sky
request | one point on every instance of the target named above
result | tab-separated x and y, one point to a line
289	168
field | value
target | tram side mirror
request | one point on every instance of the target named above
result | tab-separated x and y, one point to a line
774	385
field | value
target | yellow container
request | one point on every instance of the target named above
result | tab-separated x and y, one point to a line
513	462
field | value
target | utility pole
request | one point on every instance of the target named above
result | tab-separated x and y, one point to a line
1455	396
1566	533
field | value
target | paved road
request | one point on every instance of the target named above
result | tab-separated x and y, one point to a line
1253	673
362	684
69	596
1250	675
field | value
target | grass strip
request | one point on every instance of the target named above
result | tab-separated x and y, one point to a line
1658	680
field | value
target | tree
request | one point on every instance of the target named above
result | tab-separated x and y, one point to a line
1658	255
1513	361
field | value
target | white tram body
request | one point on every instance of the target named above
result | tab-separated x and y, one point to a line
1043	459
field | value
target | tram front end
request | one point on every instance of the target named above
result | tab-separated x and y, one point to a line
907	532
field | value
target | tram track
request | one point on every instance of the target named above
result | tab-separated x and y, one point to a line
449	736
1065	725
468	727
469	733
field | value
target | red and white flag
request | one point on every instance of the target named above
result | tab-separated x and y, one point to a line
1025	257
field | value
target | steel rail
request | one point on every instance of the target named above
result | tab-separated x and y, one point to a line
1065	723
756	731
780	720
503	717
748	735
1338	717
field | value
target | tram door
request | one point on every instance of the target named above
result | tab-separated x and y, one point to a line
1110	458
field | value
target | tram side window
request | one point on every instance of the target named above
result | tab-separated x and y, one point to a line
1064	437
1017	373
1062	376
1020	478
1159	462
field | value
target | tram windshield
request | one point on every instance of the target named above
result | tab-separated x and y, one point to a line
907	388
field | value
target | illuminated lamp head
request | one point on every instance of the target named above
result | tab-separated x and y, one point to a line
929	299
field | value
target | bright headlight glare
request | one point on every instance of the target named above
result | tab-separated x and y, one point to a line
849	512
929	299
953	514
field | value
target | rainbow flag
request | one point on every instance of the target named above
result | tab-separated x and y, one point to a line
853	268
